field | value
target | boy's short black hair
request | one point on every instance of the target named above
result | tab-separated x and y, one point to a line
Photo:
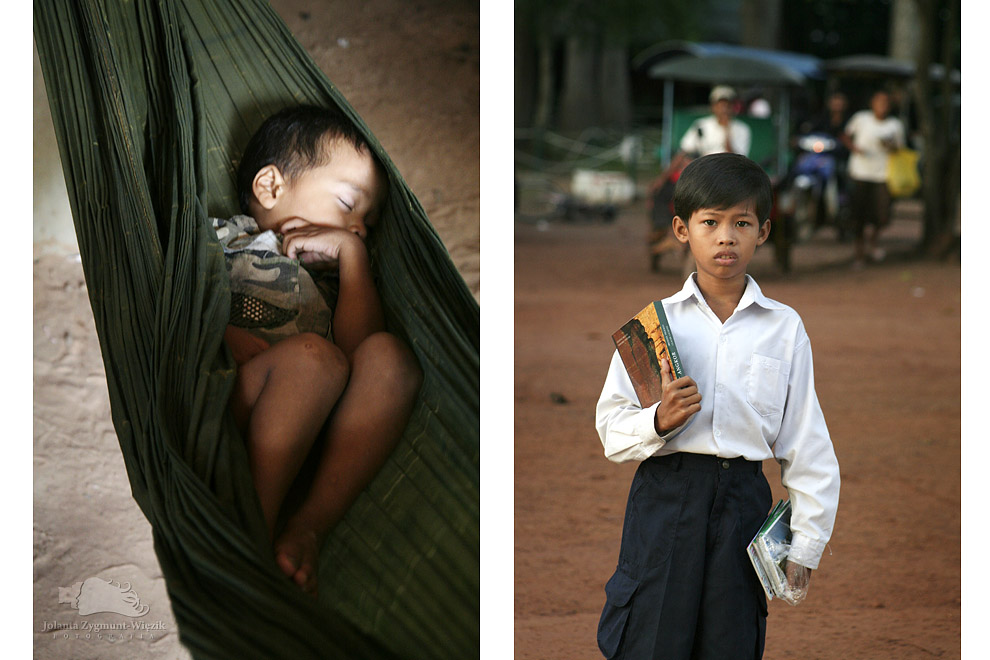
719	181
294	140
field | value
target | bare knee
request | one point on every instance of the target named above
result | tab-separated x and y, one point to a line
392	361
315	357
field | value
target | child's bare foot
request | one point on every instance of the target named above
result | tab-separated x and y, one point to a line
297	554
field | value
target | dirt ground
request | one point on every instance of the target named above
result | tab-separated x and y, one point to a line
886	342
411	70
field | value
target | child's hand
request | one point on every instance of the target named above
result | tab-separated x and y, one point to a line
319	246
798	578
679	400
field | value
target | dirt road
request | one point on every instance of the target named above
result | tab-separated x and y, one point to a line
886	342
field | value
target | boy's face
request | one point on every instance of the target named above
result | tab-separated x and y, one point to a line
346	193
723	240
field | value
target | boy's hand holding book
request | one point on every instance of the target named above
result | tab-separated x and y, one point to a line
769	552
679	400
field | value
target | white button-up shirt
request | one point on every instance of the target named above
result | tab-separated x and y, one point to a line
758	401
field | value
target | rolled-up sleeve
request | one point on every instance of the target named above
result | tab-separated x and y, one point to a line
809	469
626	430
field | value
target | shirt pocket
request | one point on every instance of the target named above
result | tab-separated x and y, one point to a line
766	387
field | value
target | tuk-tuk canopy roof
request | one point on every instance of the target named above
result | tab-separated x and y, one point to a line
724	69
878	65
705	62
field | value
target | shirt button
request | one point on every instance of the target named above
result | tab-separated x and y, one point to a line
717	433
725	465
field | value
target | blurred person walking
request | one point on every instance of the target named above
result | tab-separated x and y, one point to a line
871	135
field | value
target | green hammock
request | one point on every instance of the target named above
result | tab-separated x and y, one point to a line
151	103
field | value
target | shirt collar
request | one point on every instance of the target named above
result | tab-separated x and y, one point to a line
752	294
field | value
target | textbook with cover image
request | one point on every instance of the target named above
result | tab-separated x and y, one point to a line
642	343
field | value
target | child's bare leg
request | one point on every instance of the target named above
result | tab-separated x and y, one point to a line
281	398
363	430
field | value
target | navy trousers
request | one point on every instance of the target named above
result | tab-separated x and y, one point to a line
684	588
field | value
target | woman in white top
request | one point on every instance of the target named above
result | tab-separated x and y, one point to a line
871	135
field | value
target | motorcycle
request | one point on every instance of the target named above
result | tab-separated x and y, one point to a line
812	197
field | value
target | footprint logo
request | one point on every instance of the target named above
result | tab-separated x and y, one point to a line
98	595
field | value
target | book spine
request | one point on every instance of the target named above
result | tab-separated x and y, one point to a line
668	337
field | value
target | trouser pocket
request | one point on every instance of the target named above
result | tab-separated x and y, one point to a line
619	591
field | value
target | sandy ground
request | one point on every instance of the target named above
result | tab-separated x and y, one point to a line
411	71
887	363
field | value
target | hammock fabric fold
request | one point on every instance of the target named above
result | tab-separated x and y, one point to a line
151	103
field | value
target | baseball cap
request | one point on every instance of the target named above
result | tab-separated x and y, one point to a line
720	92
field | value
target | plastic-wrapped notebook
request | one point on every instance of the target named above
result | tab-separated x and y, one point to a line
769	549
642	343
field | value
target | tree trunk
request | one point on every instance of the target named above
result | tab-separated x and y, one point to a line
524	75
578	105
761	23
939	177
615	99
544	81
905	30
950	128
926	122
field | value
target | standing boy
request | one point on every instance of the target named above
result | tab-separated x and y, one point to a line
684	586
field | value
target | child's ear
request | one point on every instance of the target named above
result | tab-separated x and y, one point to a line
764	232
268	186
680	229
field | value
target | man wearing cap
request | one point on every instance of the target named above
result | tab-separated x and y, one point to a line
717	132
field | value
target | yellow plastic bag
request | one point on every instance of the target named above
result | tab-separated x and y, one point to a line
903	179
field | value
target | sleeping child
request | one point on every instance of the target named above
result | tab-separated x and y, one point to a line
317	373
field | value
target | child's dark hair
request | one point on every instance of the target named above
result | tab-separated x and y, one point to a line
719	181
294	140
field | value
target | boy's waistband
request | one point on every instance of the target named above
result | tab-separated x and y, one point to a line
704	462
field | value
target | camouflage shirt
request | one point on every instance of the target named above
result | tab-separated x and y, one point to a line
271	295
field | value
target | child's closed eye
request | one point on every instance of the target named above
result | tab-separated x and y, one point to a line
345	204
